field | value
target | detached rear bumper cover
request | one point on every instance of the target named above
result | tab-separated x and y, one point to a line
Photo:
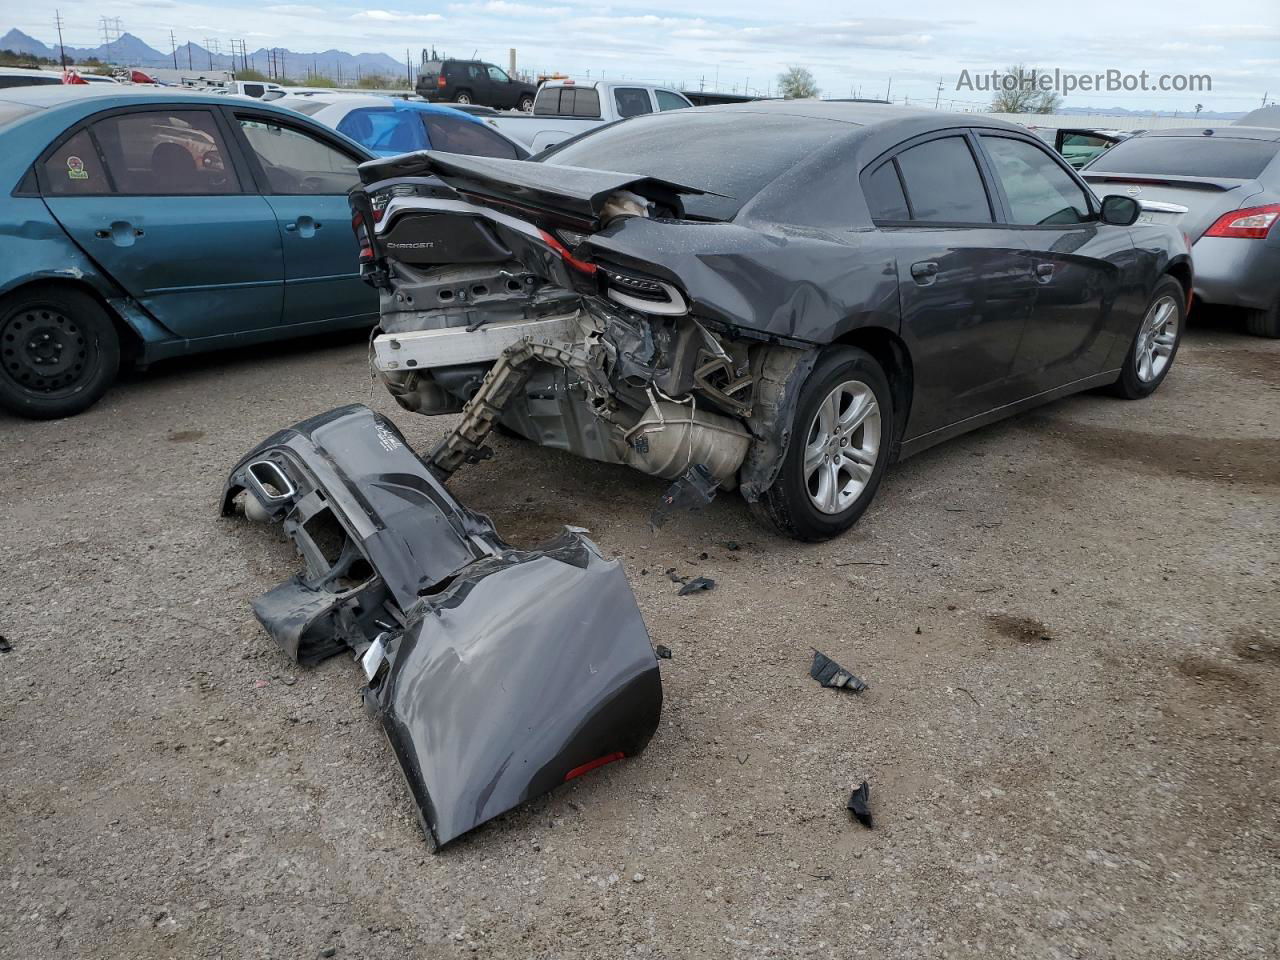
496	673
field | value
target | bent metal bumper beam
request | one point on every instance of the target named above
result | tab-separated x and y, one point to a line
496	673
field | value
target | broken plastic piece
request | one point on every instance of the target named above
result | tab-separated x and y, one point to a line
830	674
5	645
445	614
693	491
696	585
860	804
663	651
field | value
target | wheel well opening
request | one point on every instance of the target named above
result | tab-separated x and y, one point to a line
1182	273
130	343
891	353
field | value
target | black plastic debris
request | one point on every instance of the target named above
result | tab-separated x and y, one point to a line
860	804
693	491
663	651
830	674
697	585
5	645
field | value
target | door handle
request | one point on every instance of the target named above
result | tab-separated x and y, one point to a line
924	272
1044	272
304	226
121	232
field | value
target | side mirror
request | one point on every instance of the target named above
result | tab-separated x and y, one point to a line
1120	211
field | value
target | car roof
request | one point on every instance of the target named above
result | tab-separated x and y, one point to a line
359	101
1225	132
105	96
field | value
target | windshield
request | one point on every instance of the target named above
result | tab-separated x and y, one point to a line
1188	157
733	154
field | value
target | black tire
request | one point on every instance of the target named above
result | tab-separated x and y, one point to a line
462	96
1131	385
789	505
525	104
59	352
1264	323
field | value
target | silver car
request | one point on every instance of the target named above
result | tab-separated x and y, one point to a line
1221	187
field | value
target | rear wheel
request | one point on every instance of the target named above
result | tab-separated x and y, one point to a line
1264	323
838	452
1156	342
462	96
58	352
525	104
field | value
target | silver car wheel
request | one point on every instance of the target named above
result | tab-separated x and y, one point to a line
842	446
1156	339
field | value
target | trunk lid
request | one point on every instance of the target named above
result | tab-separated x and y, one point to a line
1191	204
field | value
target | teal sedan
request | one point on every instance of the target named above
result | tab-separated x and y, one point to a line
148	225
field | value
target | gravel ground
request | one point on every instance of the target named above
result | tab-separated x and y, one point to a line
1068	621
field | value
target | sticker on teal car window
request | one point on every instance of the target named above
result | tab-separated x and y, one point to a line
76	170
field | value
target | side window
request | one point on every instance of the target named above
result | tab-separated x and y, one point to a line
75	168
670	101
254	90
498	76
1039	191
631	101
943	183
883	190
455	135
158	152
296	162
475	71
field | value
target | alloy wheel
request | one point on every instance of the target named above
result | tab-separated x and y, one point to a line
1156	339
842	446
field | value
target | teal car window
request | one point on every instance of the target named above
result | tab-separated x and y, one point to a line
166	152
384	129
74	168
298	163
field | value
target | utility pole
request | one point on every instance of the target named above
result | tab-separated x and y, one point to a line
173	47
939	96
62	51
408	68
208	48
889	91
189	66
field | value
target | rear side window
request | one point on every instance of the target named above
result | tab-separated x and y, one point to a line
631	101
75	168
18	80
670	101
567	102
384	129
1188	157
885	198
1038	190
943	183
166	152
254	89
455	135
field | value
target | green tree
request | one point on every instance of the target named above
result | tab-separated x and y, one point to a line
796	83
252	75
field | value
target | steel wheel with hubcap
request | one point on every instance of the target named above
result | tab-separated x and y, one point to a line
842	446
840	440
1156	342
58	353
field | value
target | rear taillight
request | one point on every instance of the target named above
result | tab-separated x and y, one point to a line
1251	223
440	81
362	237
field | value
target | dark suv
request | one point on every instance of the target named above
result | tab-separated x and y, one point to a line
473	81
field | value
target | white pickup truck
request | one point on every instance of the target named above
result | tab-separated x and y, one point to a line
566	108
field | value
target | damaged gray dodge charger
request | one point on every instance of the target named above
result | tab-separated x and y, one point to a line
781	297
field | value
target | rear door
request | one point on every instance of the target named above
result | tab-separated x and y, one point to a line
1077	262
155	197
964	280
305	175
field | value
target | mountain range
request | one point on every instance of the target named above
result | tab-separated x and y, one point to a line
133	52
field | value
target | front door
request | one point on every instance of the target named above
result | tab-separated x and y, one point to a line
1077	262
305	179
154	198
964	281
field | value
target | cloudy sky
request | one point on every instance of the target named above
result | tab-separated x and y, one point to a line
747	42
